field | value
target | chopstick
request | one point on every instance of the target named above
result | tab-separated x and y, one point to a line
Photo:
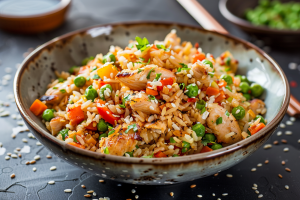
196	10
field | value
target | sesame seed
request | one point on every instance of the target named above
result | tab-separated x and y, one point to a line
32	162
282	125
52	168
13	135
218	198
87	195
67	190
133	191
27	163
9	154
266	161
48	156
51	182
83	186
254	188
292	119
286	149
136	196
7	157
37	157
279	133
288	132
213	194
171	194
267	146
288	169
20	155
12	176
259	165
299	141
229	175
256	191
14	155
255	185
283	162
224	194
101	181
284	141
24	140
193	186
287	187
289	123
216	174
34	169
275	142
260	196
94	194
253	169
292	66
38	144
90	191
199	196
279	175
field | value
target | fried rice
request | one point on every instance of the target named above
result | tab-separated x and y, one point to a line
165	99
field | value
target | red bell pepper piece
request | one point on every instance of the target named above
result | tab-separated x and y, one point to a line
76	115
160	155
107	115
205	149
220	97
198	56
167	81
256	128
191	100
91	127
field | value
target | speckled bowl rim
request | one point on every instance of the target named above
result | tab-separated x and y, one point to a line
62	5
244	23
157	161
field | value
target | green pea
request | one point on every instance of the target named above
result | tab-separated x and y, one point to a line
199	130
186	144
103	135
210	137
79	81
207	62
102	89
247	96
64	133
102	126
227	78
109	58
244	79
238	112
48	115
262	120
244	87
90	93
256	89
216	146
192	90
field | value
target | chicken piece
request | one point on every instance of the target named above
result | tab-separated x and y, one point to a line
118	145
140	102
256	105
200	69
57	124
138	80
54	95
229	131
172	40
158	126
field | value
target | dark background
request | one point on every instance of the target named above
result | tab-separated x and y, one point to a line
33	185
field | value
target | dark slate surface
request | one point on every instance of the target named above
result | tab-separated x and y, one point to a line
34	185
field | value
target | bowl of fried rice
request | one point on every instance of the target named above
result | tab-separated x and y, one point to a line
151	103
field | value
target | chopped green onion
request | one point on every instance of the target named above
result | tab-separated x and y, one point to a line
133	127
157	76
151	97
111	132
55	88
96	76
140	70
148	75
61	80
74	138
172	140
151	156
219	120
63	91
227	113
106	151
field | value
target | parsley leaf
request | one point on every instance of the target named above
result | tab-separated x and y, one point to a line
219	120
143	44
63	91
133	127
205	142
157	76
140	70
148	76
227	113
127	98
151	97
161	46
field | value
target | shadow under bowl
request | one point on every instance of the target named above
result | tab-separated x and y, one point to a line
234	11
61	53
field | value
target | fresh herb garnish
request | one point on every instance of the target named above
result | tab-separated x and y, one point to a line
96	76
151	156
86	60
157	76
111	132
148	76
227	113
148	61
182	86
55	88
63	91
228	88
205	142
200	104
61	80
211	74
151	97
219	120
88	78
140	70
172	140
142	59
130	45
106	150
136	146
161	46
203	110
74	138
184	67
127	98
64	133
130	153
133	127
227	69
143	44
94	68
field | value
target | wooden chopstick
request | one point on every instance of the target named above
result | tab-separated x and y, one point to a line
196	10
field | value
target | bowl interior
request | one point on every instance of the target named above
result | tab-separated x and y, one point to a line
62	53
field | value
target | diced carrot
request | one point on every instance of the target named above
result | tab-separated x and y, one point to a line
236	81
160	155
91	126
256	128
177	133
222	83
83	69
167	81
212	91
90	140
220	97
76	145
100	101
37	107
191	100
205	149
198	56
76	115
107	115
151	92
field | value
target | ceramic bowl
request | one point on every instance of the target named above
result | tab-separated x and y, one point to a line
61	53
273	37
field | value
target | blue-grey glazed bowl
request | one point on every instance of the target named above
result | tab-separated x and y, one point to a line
63	52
